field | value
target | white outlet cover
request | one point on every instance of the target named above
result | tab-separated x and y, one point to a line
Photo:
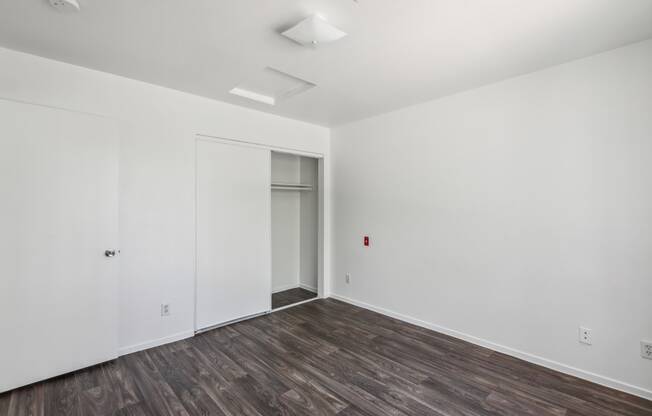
646	349
585	336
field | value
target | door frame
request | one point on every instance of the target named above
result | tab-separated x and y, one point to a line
321	201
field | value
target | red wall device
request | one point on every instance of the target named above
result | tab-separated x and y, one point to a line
366	241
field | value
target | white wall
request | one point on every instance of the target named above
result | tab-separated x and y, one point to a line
511	215
157	176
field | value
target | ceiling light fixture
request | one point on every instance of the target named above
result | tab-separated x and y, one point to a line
312	31
65	5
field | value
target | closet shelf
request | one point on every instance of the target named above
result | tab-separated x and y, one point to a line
291	187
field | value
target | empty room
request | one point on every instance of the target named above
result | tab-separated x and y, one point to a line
326	207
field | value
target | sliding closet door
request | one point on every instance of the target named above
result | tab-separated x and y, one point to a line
233	232
58	215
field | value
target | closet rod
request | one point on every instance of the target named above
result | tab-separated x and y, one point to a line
292	187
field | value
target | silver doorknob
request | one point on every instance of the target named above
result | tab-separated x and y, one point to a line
111	253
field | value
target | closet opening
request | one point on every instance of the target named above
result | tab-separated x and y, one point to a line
295	229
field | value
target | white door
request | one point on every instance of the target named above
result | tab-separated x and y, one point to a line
233	232
58	214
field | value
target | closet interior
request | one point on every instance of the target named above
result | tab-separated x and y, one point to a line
295	224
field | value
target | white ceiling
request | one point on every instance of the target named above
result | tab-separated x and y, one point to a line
398	52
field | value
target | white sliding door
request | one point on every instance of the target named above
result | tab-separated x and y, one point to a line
58	215
233	232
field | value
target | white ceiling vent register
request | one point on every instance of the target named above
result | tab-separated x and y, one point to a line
65	5
313	31
271	86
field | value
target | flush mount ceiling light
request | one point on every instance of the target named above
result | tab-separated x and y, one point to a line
313	31
271	86
65	5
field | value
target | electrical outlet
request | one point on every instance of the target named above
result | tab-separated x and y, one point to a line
585	336
165	309
646	349
347	278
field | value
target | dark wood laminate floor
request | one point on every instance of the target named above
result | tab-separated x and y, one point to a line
320	358
290	296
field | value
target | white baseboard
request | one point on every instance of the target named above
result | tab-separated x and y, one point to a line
187	334
155	343
544	362
286	287
294	286
308	288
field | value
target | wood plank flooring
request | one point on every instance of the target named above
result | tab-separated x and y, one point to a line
290	296
320	358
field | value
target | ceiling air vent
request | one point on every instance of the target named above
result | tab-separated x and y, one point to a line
271	86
